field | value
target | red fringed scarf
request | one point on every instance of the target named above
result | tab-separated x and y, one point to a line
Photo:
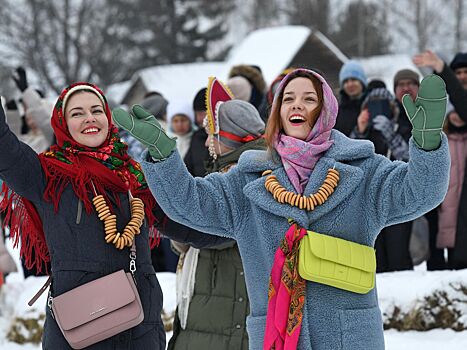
108	168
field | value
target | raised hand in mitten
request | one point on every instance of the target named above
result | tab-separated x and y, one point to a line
144	127
427	112
19	76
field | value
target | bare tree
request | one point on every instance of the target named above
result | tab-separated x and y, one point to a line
105	41
311	13
362	30
458	24
63	41
421	24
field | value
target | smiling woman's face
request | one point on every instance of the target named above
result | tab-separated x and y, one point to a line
86	119
299	101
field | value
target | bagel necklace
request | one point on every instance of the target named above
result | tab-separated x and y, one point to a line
124	239
308	203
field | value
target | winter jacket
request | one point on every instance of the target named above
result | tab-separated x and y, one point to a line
78	251
349	110
219	305
372	193
197	154
457	94
219	285
450	209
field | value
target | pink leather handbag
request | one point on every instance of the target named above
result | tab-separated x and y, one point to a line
98	309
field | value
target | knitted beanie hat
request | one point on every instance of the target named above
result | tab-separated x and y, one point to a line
352	69
199	102
155	104
239	122
240	87
406	74
459	61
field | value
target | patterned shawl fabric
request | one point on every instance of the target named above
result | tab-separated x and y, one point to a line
300	157
107	170
286	295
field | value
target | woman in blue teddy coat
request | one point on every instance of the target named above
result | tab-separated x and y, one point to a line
254	202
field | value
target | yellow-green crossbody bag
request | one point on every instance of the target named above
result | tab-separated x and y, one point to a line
336	262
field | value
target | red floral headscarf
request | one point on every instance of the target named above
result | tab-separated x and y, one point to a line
107	169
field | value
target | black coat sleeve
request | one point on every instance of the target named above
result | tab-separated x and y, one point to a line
457	93
184	234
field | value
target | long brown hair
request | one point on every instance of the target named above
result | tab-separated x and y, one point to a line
274	124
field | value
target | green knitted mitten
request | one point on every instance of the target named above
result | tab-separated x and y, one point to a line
427	113
144	127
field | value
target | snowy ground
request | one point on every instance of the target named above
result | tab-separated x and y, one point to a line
402	289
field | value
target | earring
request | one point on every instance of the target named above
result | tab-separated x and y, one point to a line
211	148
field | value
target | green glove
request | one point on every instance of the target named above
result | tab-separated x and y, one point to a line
428	112
144	127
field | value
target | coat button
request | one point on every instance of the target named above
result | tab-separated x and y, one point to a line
240	299
238	326
241	273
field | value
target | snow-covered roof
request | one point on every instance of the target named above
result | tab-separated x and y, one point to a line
384	67
117	91
179	81
272	49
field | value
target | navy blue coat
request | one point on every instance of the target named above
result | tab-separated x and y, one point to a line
78	250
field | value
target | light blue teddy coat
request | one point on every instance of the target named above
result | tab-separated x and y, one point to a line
373	192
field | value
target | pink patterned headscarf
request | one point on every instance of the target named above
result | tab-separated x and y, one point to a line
300	157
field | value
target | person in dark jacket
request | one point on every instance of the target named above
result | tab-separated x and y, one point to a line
210	280
55	221
447	223
52	195
197	155
352	81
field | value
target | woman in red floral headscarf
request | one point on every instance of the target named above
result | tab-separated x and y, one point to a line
48	199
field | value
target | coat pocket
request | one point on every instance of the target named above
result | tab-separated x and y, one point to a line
362	329
255	326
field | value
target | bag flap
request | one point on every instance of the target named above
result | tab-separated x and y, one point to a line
93	300
341	251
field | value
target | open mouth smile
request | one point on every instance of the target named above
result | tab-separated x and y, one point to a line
91	130
297	119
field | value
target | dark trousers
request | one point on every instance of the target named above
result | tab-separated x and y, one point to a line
437	259
392	248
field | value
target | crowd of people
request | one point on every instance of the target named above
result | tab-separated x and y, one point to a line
231	183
